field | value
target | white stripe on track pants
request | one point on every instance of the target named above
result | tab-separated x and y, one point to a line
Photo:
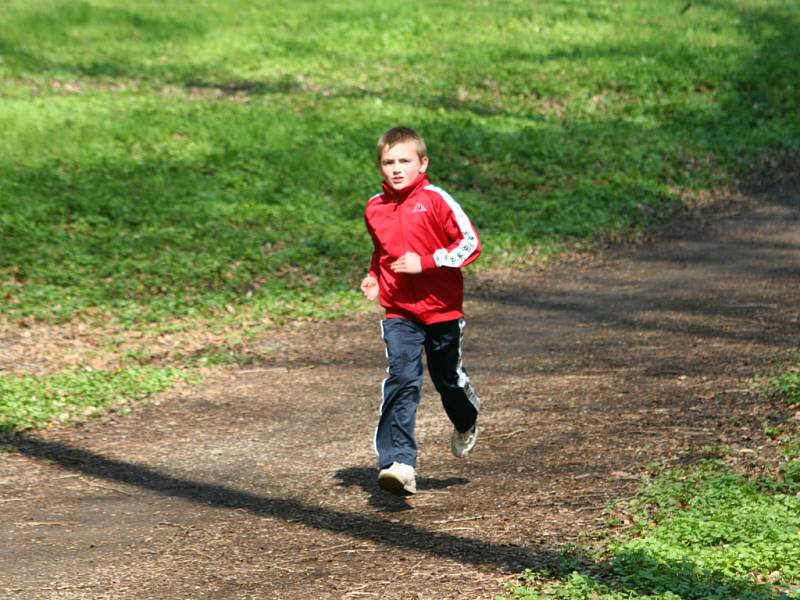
405	340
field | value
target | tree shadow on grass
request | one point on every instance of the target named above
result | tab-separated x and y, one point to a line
59	24
365	478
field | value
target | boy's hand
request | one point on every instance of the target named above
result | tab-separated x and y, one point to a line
369	285
408	263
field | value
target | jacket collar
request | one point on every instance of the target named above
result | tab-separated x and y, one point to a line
400	195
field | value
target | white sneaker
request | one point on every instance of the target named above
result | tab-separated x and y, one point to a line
462	443
399	479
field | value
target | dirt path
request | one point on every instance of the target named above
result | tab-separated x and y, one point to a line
261	484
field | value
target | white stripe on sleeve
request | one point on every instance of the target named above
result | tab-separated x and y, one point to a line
469	241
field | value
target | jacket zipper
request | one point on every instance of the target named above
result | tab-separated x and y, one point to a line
409	277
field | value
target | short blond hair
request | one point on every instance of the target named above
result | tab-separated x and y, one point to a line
398	135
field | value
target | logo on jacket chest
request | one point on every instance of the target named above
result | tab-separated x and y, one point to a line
419	207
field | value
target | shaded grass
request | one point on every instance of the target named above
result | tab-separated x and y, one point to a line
785	382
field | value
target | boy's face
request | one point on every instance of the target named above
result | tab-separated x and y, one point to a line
400	164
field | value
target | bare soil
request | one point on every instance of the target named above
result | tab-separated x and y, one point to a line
262	482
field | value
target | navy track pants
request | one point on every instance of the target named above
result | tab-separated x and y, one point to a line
405	341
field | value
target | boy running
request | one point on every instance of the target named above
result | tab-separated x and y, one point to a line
422	239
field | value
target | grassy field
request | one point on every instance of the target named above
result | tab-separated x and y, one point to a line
723	527
200	165
163	159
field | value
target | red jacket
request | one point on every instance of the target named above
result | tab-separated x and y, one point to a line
424	219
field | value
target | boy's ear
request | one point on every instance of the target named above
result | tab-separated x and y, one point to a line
424	167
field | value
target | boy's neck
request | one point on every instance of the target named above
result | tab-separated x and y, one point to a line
402	194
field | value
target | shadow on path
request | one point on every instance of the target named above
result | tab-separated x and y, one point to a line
364	477
379	531
627	573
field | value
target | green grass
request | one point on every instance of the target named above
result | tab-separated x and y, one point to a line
157	160
703	532
785	384
28	402
164	160
714	529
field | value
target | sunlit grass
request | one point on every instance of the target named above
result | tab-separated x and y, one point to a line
33	402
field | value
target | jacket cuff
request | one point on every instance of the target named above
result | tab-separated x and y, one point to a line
427	262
